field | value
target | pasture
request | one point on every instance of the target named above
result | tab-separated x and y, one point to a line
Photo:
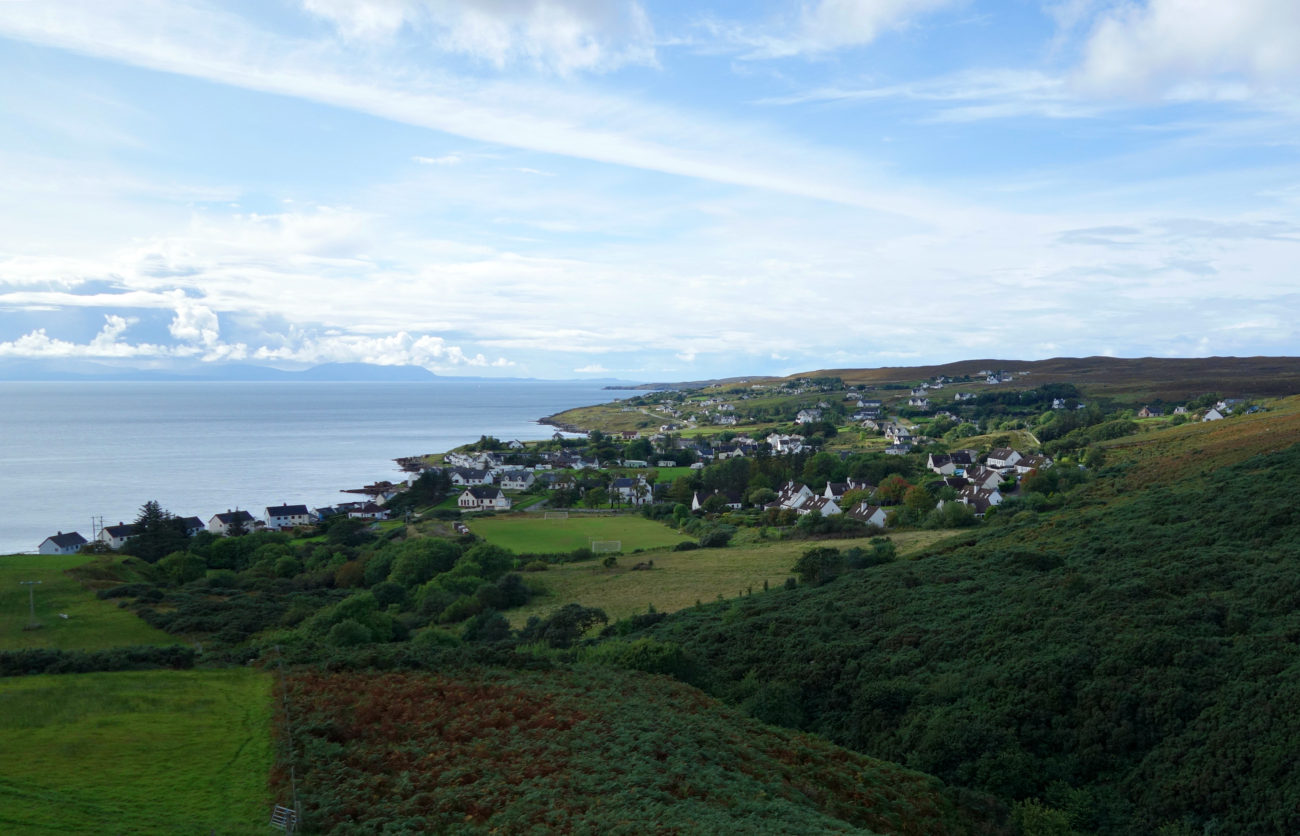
136	752
91	624
679	579
533	533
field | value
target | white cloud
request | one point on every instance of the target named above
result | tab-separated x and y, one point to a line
593	368
194	322
827	25
968	95
1162	47
449	159
105	344
563	36
563	120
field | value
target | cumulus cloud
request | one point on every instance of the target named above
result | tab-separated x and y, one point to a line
398	349
593	368
1194	49
559	35
105	344
448	159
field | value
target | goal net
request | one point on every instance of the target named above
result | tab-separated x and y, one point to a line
599	546
555	515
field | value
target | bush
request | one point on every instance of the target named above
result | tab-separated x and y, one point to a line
686	546
717	537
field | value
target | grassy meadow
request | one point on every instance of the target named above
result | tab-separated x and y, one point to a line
679	579
136	752
91	624
536	534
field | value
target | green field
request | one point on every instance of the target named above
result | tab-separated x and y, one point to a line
533	533
91	624
679	579
136	752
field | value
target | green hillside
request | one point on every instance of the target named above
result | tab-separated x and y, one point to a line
135	752
589	750
91	624
1130	659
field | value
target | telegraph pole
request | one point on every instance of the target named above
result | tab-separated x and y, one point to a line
32	623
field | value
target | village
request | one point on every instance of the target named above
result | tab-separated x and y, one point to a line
946	435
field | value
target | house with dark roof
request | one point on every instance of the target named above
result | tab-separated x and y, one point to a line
632	491
280	517
220	524
369	511
115	536
193	525
517	480
867	513
730	498
61	543
483	498
1000	457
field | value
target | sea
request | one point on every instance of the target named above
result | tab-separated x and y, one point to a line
75	453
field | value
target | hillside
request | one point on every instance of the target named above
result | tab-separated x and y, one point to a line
1170	379
1130	659
591	750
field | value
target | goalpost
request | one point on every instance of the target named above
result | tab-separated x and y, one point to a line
555	515
602	546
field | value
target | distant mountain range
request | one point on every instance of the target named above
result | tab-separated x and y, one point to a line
60	370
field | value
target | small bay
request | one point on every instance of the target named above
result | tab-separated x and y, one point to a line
70	451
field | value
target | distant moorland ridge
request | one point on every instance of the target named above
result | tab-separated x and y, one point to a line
1158	377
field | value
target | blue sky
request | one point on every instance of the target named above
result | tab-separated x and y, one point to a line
570	188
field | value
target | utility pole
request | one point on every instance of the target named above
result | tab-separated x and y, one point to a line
32	623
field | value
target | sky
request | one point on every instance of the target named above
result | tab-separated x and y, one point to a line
647	190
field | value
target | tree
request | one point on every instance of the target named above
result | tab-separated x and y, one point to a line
565	626
918	500
892	489
817	566
157	534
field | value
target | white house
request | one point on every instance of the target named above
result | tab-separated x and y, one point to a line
62	543
483	498
517	480
984	477
369	511
822	505
220	524
1030	463
1000	457
980	499
280	517
463	476
941	463
629	490
868	513
1212	414
919	402
794	496
193	525
731	498
115	536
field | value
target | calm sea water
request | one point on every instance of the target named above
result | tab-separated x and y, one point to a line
77	450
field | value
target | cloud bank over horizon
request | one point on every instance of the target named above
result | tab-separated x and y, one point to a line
560	188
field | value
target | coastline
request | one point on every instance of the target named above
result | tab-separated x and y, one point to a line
80	452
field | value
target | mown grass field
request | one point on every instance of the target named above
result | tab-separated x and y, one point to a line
679	579
91	624
533	533
136	752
